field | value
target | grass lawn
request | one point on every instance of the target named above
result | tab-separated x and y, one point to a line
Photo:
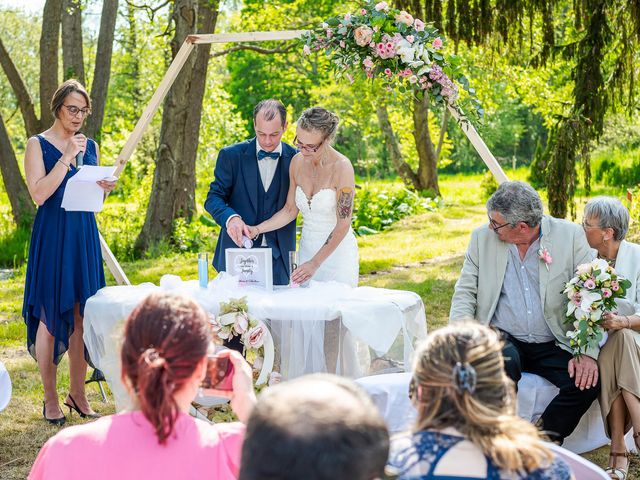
422	253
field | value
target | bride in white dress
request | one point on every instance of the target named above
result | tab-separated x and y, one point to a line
322	187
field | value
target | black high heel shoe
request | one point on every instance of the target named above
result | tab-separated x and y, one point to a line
74	406
58	422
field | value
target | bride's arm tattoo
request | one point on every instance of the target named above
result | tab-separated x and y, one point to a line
345	203
328	239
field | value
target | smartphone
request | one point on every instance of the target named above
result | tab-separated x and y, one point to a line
219	374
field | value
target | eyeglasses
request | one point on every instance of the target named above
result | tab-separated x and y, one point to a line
307	148
74	111
495	226
586	226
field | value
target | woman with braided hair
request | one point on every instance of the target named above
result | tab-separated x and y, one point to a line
466	426
164	360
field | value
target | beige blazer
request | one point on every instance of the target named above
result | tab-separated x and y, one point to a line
628	265
478	289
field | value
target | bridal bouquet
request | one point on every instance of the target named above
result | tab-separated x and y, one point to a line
235	320
591	292
380	41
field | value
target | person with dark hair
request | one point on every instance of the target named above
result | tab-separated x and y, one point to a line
316	427
467	426
164	360
64	266
322	188
250	185
513	275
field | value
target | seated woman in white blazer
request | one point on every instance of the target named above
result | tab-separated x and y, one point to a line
606	222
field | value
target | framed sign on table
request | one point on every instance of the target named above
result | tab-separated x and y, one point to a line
252	266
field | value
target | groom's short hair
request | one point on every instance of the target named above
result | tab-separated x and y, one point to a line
316	427
269	109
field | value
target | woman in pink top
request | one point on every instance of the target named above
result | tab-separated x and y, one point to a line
164	360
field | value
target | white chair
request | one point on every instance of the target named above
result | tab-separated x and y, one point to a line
582	468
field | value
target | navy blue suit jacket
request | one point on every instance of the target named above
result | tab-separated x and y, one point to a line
234	191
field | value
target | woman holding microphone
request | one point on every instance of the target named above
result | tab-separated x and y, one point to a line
64	267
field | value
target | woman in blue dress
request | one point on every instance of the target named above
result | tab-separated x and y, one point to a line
466	426
64	267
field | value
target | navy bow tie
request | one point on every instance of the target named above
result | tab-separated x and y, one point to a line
262	154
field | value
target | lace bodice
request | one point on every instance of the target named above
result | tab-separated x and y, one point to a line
319	210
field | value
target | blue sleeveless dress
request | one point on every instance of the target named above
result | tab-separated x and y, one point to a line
416	456
65	262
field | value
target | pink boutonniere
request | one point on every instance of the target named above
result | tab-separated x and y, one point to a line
545	256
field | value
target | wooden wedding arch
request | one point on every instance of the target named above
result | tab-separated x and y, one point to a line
172	72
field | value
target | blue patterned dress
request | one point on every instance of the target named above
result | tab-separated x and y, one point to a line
416	456
65	262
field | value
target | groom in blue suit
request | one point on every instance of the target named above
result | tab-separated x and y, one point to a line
251	182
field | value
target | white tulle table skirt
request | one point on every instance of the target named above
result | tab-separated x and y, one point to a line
328	327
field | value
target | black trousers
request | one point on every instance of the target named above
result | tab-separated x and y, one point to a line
550	362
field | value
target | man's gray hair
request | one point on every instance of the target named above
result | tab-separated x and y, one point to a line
517	202
270	109
610	213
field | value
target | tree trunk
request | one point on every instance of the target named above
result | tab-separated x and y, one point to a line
22	207
20	90
72	55
49	43
427	158
403	168
173	190
102	70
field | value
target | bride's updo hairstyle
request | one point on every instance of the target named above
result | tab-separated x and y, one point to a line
321	120
459	381
165	338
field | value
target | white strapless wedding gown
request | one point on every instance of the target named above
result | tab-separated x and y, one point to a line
319	220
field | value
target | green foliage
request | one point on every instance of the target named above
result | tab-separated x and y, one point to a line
378	208
488	185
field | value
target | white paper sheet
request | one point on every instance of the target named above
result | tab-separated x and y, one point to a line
82	193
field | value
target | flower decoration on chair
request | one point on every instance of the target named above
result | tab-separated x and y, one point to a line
383	42
235	320
591	292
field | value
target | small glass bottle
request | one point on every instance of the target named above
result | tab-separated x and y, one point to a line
203	269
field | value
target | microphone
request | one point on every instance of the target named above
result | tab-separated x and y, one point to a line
79	156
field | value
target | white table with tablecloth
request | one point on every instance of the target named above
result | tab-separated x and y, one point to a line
327	327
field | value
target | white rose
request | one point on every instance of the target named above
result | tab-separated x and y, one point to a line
227	318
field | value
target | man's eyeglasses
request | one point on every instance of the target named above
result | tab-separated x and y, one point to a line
74	111
305	147
586	226
495	226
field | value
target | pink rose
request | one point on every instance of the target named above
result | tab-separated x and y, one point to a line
418	25
255	336
404	17
387	72
241	324
363	11
615	286
367	62
306	50
413	79
437	43
410	38
363	35
576	299
381	6
347	17
606	293
589	284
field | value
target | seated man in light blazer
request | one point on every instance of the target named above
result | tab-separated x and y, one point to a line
512	278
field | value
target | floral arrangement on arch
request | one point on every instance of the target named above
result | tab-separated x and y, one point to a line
383	42
234	320
591	292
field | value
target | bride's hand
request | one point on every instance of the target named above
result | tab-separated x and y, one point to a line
304	272
251	231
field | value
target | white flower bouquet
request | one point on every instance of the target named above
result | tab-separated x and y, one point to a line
591	292
235	320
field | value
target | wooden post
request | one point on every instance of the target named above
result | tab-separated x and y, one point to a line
480	146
